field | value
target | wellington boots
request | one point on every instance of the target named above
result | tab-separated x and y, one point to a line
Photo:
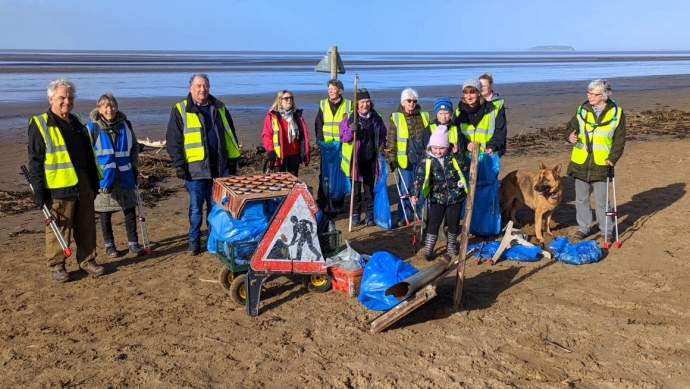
429	244
452	246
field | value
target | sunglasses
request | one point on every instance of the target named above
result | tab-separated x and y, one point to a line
411	101
286	98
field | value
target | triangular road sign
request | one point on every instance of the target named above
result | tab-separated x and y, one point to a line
291	243
325	64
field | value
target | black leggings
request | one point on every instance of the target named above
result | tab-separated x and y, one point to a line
130	225
452	214
290	164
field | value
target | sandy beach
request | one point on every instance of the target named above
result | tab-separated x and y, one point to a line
163	321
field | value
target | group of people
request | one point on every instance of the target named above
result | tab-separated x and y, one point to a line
78	168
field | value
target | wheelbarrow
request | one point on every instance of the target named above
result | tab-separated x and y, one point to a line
291	244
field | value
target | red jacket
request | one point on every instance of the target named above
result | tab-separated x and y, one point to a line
267	135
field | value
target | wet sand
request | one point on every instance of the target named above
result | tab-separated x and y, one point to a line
529	106
164	320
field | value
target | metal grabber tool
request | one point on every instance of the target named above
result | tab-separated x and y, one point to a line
142	222
50	221
400	195
610	178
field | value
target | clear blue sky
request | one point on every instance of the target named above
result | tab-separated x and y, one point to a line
357	25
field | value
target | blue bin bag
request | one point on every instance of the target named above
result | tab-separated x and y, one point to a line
580	253
382	271
251	225
518	252
486	211
338	182
484	249
522	253
382	208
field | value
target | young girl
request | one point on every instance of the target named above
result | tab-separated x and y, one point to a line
439	179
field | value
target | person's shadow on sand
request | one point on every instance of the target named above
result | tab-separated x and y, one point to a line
634	214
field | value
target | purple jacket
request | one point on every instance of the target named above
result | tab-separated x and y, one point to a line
379	133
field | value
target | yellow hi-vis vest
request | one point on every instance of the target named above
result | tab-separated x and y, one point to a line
426	186
484	130
331	120
58	166
331	130
601	135
194	150
403	134
452	132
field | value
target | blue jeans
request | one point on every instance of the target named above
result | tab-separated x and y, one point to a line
405	186
199	191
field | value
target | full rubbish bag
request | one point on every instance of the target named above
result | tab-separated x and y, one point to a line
517	252
331	157
348	259
238	238
382	212
486	213
382	271
580	253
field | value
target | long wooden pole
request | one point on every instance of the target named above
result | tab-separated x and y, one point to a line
334	62
353	158
464	237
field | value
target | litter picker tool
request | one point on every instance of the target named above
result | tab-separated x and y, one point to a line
610	177
50	221
400	195
268	167
353	158
142	222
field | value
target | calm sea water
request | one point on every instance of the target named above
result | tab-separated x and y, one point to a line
24	75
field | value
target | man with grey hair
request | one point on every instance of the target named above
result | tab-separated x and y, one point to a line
597	133
202	145
65	178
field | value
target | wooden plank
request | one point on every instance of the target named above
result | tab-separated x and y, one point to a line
422	296
464	237
394	314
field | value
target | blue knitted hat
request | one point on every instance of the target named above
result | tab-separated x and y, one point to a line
443	103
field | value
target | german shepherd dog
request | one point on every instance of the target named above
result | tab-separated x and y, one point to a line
540	191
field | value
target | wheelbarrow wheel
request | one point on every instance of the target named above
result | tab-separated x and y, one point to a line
238	290
318	283
226	277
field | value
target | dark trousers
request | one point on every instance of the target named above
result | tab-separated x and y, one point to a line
452	214
290	164
130	226
363	191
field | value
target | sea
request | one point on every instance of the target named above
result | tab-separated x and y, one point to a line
25	74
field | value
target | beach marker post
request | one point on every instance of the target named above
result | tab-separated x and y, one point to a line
331	63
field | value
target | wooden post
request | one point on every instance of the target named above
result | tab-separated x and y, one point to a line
464	237
353	158
334	62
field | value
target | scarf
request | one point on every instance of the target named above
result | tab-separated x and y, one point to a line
110	126
293	128
471	115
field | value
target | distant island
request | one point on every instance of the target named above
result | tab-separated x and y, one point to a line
551	48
